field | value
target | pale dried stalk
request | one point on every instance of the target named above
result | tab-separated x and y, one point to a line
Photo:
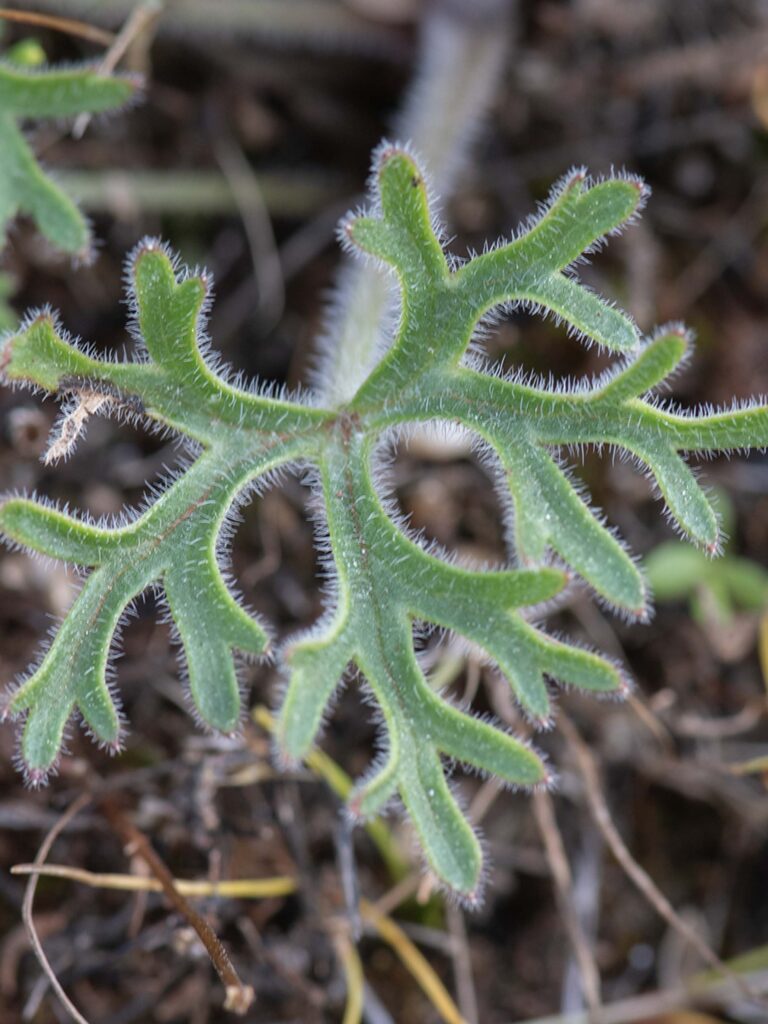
544	813
28	907
636	874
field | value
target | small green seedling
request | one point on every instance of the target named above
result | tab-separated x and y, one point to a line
724	586
383	582
30	91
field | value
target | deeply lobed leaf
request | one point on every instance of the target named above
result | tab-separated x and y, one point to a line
385	582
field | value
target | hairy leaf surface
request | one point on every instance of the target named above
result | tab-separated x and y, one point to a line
44	93
385	584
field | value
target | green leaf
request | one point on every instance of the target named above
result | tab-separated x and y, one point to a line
550	513
28	91
385	584
56	92
651	367
530	268
38	527
677	571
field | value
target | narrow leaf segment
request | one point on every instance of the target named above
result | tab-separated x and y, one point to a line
39	93
385	583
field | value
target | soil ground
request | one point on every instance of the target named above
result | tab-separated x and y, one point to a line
674	91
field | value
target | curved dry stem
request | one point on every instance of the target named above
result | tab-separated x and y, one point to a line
29	901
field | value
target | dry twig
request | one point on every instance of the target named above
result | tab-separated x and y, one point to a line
353	976
140	20
239	997
257	224
561	872
413	961
380	923
241	888
637	875
69	25
28	906
559	867
462	964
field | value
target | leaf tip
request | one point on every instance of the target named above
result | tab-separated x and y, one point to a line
35	778
387	152
541	723
625	687
148	246
397	172
549	779
641	609
472	900
640	191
